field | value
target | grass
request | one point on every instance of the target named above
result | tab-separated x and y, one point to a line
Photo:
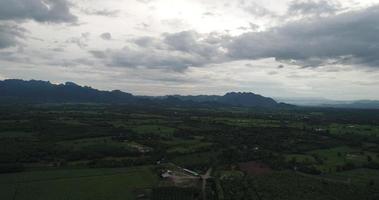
156	129
245	122
81	184
367	130
186	146
308	159
87	142
339	156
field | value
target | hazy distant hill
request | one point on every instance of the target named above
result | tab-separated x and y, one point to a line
20	91
322	102
362	104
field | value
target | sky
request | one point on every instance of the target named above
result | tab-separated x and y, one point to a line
286	48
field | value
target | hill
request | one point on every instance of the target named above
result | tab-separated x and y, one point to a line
35	91
362	104
242	99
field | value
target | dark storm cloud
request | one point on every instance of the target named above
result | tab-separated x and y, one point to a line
348	38
10	35
313	7
54	11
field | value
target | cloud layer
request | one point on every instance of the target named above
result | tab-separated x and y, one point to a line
38	10
176	51
348	38
10	35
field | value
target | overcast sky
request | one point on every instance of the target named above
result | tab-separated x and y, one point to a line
286	48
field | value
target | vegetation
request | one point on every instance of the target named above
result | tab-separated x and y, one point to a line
109	151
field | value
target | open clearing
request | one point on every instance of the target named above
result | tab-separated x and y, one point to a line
76	184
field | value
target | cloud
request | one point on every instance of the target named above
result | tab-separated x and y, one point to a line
255	9
103	12
175	52
313	7
347	38
175	23
54	11
145	1
10	35
106	36
81	42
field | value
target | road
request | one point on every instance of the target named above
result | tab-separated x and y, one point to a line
204	178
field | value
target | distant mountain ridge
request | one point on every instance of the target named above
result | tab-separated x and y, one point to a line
321	102
45	92
243	99
362	104
35	91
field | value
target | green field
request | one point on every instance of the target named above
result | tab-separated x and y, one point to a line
307	159
88	142
155	129
186	146
354	129
80	184
339	156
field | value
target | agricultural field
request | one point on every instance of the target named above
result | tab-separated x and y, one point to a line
119	152
77	184
182	146
303	158
355	129
330	160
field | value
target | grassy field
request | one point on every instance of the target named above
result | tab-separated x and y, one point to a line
80	184
308	159
339	156
156	129
244	122
83	143
354	129
186	146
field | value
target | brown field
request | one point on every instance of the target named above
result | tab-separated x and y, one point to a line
254	168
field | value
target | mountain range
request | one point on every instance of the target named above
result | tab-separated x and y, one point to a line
36	91
322	102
